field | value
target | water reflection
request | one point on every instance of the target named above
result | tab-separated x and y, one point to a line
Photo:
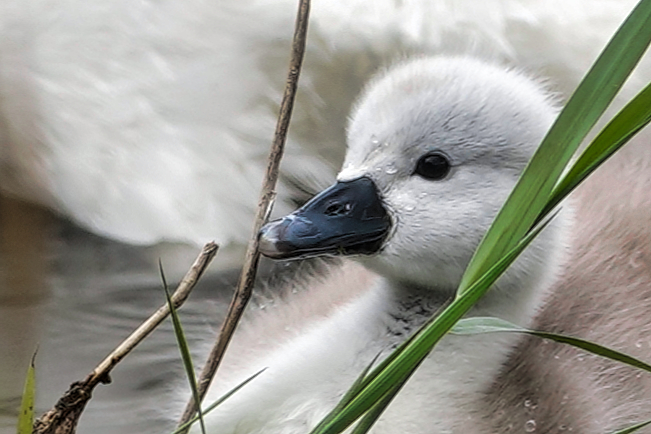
22	293
88	295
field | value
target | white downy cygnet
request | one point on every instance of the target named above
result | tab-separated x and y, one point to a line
435	145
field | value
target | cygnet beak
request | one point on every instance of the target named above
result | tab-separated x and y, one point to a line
347	218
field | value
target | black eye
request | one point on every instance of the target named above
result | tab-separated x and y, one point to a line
434	166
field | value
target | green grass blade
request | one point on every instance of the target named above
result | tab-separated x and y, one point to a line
585	107
622	128
511	231
381	382
632	429
371	416
26	415
218	402
183	348
495	325
363	380
356	387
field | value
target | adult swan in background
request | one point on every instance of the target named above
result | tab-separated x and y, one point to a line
435	145
149	121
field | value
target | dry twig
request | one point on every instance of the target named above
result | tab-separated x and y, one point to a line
63	418
267	195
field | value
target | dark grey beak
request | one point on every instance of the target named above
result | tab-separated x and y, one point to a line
347	218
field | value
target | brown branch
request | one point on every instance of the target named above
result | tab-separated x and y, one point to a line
267	196
63	418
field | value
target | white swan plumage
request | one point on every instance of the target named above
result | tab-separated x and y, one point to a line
434	147
149	121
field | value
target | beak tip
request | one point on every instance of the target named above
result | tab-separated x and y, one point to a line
268	241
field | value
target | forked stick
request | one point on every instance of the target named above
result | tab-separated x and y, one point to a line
63	418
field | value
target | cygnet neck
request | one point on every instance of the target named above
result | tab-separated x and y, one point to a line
410	306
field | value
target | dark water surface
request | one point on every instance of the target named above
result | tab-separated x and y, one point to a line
92	294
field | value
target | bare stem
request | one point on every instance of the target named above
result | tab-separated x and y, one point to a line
267	195
63	418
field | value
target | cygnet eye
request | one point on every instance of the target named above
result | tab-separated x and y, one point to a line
433	166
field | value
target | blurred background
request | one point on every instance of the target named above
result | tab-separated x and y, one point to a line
137	130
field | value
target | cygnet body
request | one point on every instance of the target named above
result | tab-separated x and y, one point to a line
435	145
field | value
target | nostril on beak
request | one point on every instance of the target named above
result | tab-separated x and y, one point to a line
338	209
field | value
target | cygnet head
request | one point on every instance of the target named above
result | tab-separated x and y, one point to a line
435	145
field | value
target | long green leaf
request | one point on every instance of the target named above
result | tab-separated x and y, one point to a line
26	416
382	381
183	348
632	429
356	387
495	325
522	209
218	402
584	108
622	128
371	416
